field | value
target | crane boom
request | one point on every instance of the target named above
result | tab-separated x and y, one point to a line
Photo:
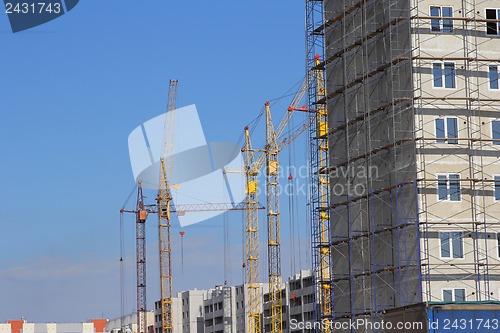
291	108
284	141
164	199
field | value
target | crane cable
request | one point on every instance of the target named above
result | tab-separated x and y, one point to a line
291	219
292	91
227	253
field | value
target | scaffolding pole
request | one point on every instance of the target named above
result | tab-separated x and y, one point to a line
318	164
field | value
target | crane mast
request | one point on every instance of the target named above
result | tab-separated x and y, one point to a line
252	267
321	201
273	225
164	199
141	213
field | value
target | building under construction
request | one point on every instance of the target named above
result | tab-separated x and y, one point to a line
413	105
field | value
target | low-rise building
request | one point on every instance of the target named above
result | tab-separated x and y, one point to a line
128	323
18	326
223	309
300	301
187	312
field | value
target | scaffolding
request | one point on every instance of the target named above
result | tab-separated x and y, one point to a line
395	238
318	166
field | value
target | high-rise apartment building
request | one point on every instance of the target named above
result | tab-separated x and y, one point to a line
413	104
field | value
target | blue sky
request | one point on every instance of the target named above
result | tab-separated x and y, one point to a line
70	93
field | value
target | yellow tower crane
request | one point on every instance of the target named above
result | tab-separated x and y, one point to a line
275	142
320	205
273	224
164	199
252	269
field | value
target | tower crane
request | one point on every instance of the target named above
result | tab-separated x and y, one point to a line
164	207
273	224
320	219
252	269
164	199
275	142
141	212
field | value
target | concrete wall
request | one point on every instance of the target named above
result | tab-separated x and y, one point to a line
187	312
476	214
300	300
5	328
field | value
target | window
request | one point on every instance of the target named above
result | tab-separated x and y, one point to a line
449	187
452	244
439	24
454	295
495	131
493	75
446	129
497	187
498	244
492	28
444	75
308	298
